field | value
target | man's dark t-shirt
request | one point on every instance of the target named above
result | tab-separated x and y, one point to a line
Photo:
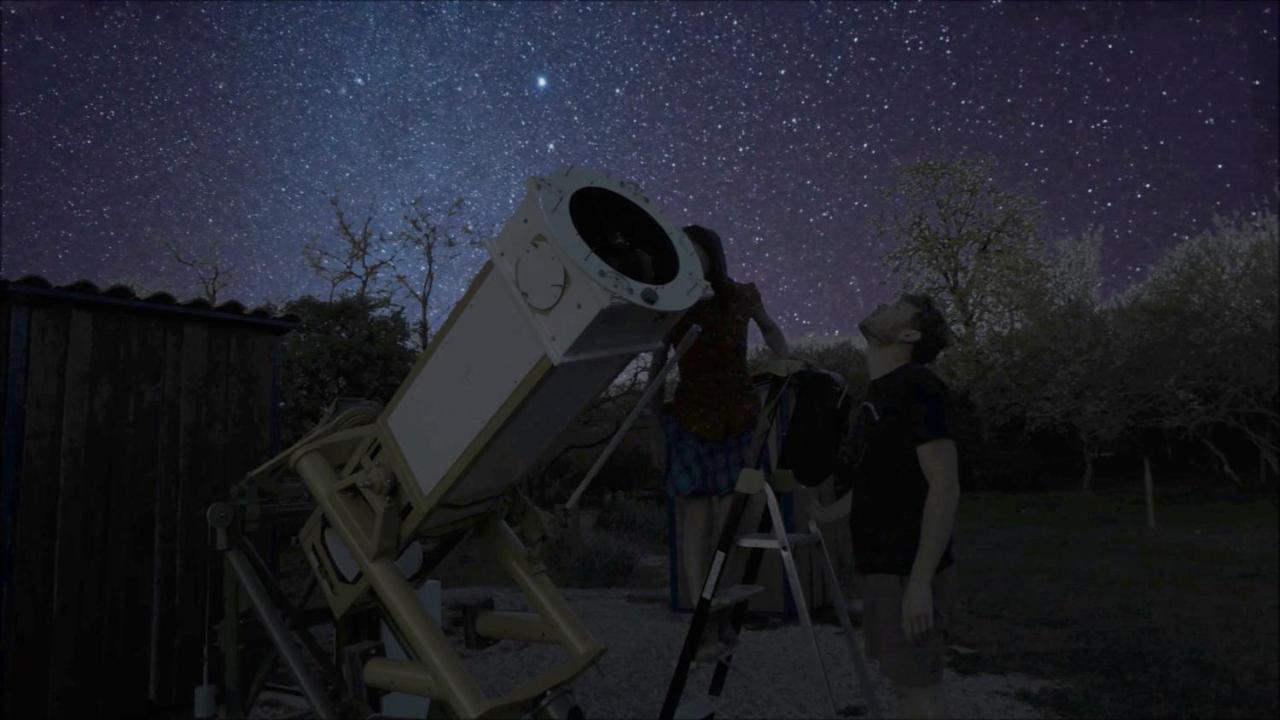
904	408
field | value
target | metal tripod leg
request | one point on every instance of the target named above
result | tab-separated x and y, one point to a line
842	612
797	593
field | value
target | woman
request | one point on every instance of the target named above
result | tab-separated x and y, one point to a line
707	429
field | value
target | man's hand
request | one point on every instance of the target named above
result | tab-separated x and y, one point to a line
917	610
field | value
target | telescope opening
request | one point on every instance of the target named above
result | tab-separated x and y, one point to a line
623	235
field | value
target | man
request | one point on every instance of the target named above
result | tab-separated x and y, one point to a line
901	463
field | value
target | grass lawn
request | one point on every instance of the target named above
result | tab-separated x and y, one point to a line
1179	621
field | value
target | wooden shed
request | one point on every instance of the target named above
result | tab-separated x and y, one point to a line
123	419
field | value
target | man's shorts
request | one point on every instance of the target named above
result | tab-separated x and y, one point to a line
902	661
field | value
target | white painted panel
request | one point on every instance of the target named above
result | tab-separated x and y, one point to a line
535	425
472	372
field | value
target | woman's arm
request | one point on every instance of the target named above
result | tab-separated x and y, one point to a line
773	336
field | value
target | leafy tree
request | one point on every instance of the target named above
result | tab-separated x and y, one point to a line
1201	349
841	356
961	238
1053	372
353	346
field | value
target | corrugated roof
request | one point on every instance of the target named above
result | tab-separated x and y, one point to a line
123	295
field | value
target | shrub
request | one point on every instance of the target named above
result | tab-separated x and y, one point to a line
638	519
601	560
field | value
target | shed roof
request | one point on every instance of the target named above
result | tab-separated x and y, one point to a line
83	291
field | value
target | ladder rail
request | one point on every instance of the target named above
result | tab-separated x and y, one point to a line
738	617
842	613
797	592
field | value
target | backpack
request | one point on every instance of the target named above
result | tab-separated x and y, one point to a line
818	425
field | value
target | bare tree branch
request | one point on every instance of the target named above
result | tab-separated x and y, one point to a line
210	272
362	257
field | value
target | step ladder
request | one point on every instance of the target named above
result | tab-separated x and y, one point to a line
771	535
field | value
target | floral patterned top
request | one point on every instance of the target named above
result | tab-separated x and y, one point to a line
714	398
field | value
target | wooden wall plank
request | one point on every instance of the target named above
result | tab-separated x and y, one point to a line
16	320
165	691
82	506
130	524
35	511
191	529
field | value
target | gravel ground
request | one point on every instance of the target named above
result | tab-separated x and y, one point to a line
772	676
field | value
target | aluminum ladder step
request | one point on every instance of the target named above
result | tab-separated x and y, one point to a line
699	708
770	542
733	595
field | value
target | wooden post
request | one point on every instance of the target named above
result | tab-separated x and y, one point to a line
1146	481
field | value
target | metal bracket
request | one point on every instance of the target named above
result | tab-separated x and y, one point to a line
220	516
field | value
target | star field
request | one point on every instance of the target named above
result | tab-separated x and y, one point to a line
226	127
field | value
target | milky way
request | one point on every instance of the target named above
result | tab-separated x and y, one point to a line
228	126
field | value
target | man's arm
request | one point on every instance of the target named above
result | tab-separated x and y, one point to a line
940	466
938	461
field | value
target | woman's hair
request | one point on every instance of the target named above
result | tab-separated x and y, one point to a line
718	273
934	333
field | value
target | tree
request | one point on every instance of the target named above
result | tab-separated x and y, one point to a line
966	242
1201	349
842	357
362	257
210	272
426	235
1054	371
354	346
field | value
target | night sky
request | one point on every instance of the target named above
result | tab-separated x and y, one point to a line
779	124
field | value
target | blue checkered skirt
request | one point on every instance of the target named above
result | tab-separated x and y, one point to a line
696	466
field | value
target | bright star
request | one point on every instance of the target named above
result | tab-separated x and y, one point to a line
542	81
